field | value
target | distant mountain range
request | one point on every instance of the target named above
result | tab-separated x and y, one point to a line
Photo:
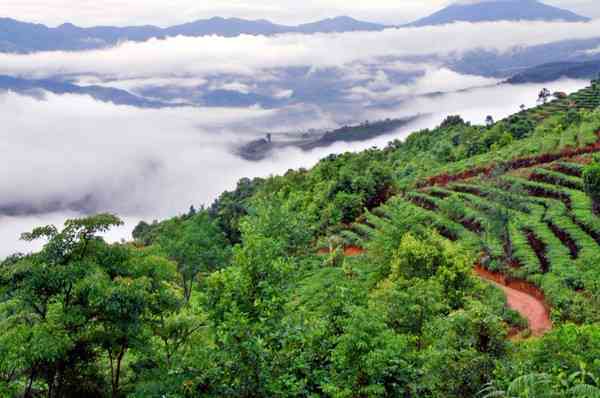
506	64
99	93
556	70
23	37
498	10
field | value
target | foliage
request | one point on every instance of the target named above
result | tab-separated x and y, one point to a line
196	245
237	300
79	301
591	182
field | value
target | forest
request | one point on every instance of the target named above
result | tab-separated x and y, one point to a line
365	276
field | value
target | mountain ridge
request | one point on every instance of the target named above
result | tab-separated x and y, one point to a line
24	37
99	93
552	71
498	10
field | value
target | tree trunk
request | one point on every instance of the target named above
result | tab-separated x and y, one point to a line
29	384
117	372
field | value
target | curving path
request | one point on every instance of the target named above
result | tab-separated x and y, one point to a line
521	296
524	298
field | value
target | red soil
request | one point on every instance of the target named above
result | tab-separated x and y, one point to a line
349	251
566	170
424	203
565	238
524	298
539	247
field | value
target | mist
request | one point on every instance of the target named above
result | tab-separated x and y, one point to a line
69	155
255	55
66	156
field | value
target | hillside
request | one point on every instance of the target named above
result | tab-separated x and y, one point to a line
306	141
104	94
498	10
23	37
556	70
460	262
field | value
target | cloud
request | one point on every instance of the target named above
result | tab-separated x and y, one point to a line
249	55
432	81
78	155
593	51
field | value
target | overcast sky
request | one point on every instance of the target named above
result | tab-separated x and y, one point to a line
162	12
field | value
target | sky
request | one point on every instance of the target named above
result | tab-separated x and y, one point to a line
165	13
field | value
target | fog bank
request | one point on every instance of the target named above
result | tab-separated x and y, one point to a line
68	155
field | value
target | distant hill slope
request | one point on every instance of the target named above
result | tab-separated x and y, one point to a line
499	10
99	93
261	148
23	37
338	25
556	70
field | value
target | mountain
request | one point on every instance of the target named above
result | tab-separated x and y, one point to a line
99	93
23	37
338	25
504	65
556	70
498	10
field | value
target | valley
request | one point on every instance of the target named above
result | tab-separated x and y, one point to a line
227	199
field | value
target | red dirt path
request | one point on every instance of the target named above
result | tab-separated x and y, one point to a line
349	251
524	298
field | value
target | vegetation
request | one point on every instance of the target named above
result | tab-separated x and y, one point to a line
591	182
352	279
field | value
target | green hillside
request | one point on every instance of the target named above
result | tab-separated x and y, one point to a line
352	279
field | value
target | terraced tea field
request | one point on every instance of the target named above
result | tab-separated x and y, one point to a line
586	98
532	223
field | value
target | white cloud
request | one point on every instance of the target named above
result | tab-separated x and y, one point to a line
232	86
593	51
155	163
248	55
434	80
133	84
283	94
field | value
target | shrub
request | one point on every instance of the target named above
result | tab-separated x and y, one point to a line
591	182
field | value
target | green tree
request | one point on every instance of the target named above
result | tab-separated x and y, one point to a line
591	182
197	245
369	359
245	302
76	300
432	256
462	351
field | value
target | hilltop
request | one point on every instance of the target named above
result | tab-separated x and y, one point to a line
498	10
22	37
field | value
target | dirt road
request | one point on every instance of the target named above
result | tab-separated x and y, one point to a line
524	298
